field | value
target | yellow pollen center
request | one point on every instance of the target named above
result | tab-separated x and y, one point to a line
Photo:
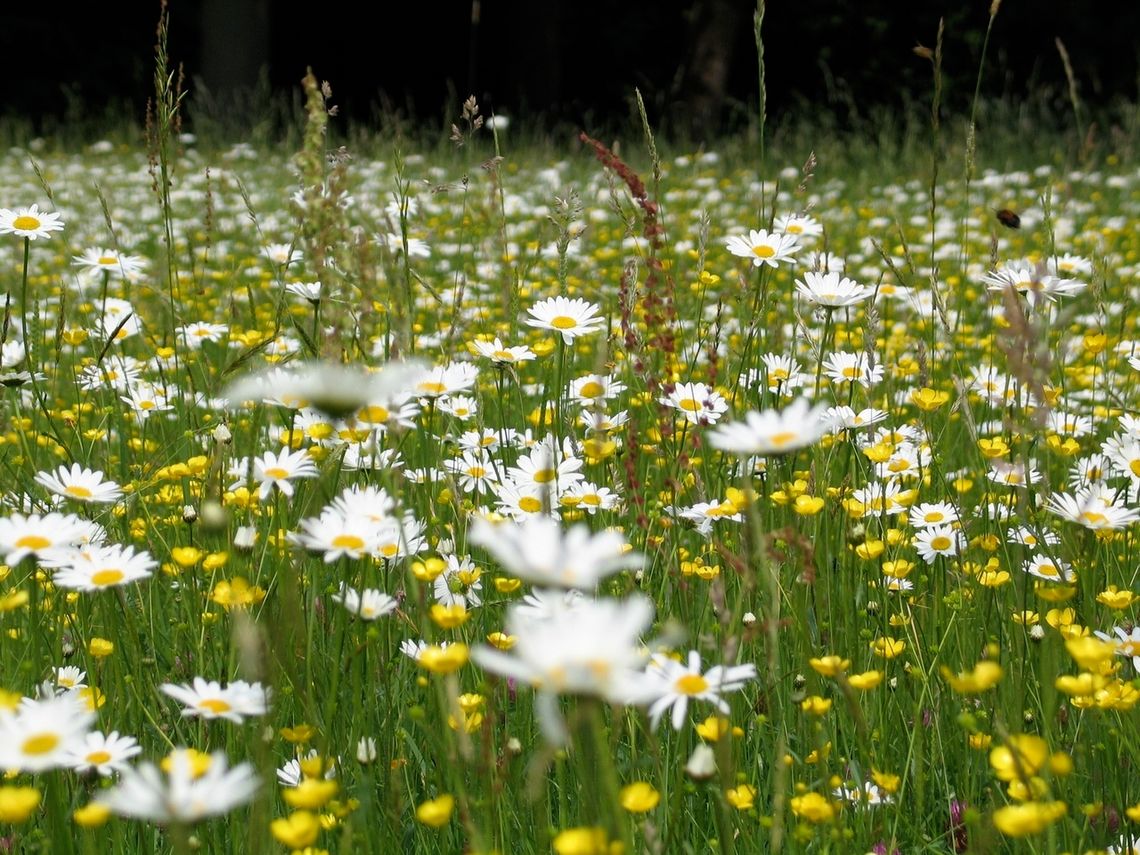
433	388
934	516
1134	466
477	472
40	743
348	541
108	259
389	550
530	504
544	476
375	414
941	542
1094	518
592	390
1047	570
98	758
763	251
503	356
276	472
794	230
33	541
215	705
691	684
563	322
689	405
106	577
78	491
25	223
593	499
781	439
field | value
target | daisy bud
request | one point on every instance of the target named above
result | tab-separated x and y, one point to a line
222	434
366	750
702	763
245	537
1036	633
189	514
749	619
514	746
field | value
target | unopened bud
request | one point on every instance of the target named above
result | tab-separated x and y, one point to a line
189	514
222	434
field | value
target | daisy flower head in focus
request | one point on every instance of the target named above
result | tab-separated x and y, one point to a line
571	318
209	699
501	355
764	247
98	567
770	432
103	753
699	404
30	223
831	290
196	786
81	485
275	470
679	682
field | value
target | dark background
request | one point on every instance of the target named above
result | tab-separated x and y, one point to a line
554	61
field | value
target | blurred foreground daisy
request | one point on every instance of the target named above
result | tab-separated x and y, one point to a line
42	734
586	647
196	786
330	387
538	550
773	432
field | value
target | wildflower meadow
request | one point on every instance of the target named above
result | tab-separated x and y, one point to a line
597	496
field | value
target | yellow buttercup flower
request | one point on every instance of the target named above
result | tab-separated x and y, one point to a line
436	812
639	797
984	676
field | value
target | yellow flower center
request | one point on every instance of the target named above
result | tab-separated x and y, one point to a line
348	541
215	705
432	388
33	541
691	684
940	543
934	516
563	322
98	758
108	259
389	550
276	472
689	405
1134	466
1093	518
763	251
593	389
781	439
530	504
544	476
794	230
40	743
77	491
106	577
25	223
503	356
477	472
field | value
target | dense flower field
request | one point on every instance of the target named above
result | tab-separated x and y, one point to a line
498	503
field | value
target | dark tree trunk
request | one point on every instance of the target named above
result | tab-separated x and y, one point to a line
712	38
